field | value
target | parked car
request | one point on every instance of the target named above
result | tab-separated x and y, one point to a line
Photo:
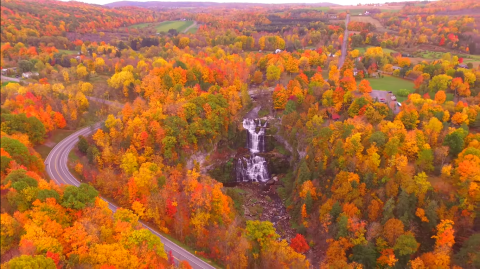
398	103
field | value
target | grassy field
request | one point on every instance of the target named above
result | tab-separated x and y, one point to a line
393	84
363	49
68	52
180	26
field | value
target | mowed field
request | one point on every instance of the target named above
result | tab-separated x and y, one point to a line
393	84
180	26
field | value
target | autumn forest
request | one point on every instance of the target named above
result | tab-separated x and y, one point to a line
222	135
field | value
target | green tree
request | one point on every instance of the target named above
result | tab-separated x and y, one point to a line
469	254
425	160
25	66
379	138
18	151
31	126
27	261
20	180
309	202
42	195
79	197
406	244
82	144
455	143
364	254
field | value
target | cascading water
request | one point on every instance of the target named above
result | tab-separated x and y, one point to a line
255	167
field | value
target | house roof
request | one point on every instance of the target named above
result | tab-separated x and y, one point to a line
335	116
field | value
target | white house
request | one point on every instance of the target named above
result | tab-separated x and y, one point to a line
29	74
278	51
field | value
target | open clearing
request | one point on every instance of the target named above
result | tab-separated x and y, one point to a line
366	19
180	26
393	84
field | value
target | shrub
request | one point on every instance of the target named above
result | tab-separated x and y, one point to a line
403	92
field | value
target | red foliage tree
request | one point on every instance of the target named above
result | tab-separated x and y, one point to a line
299	244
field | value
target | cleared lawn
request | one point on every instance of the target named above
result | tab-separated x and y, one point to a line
393	84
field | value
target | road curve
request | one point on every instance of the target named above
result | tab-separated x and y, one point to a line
56	167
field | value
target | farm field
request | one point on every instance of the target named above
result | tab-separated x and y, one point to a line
393	84
180	26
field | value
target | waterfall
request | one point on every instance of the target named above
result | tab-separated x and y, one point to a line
255	167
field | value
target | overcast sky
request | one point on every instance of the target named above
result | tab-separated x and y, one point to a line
343	2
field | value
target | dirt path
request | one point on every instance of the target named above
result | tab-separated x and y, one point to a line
188	28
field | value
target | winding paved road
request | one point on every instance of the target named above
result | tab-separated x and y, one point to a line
4	78
56	166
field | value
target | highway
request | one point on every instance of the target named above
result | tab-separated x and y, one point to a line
56	167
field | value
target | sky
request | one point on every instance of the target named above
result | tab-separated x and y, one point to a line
343	2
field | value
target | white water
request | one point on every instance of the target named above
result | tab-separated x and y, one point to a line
255	167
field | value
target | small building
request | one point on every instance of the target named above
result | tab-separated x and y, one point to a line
332	15
278	51
462	66
29	74
335	117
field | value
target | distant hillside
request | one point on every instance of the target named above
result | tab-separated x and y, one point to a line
161	4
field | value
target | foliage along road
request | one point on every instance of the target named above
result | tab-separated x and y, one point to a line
344	44
57	169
